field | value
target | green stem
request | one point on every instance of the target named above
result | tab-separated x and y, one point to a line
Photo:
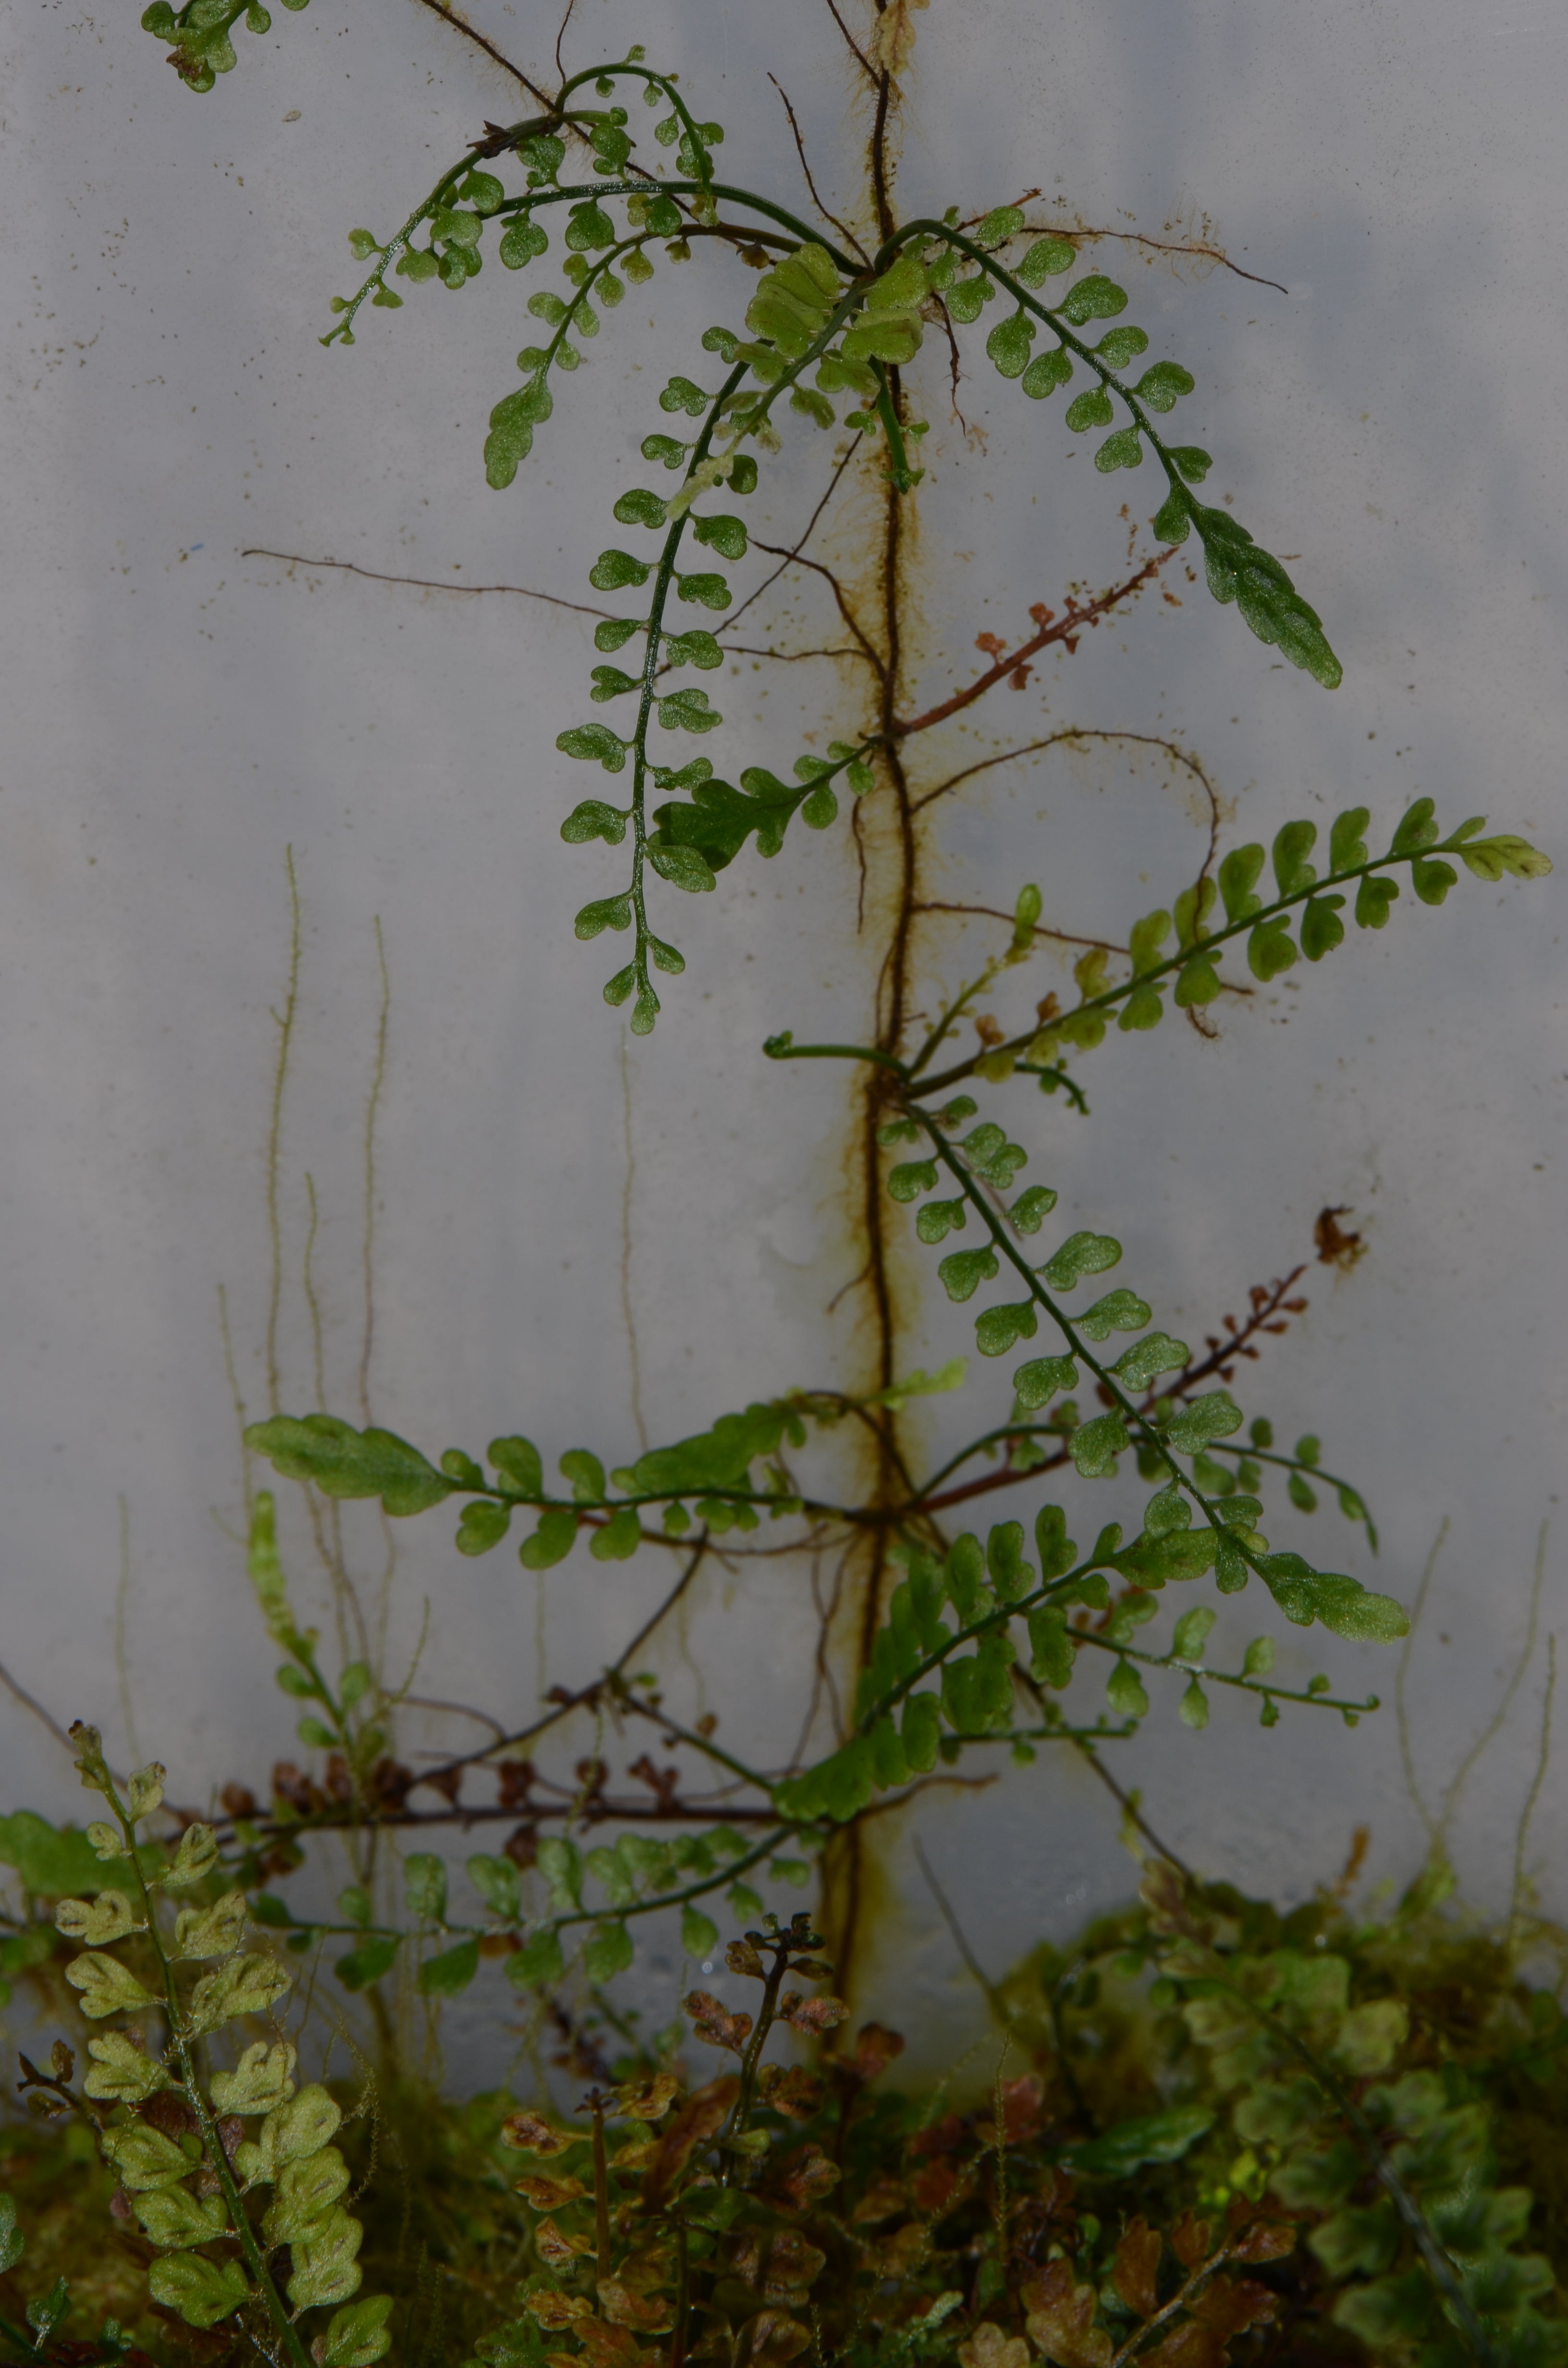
904	478
1132	1414
1029	303
538	199
758	413
392	249
650	80
662	583
622	246
1007	1430
783	1048
662	189
1294	1463
1070	1086
949	1018
1184	954
999	1618
978	1446
698	1890
1221	1677
702	1743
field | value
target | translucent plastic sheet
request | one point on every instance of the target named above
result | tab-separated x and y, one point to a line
576	1235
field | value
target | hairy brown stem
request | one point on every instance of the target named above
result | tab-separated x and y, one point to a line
845	1868
1065	628
882	193
857	52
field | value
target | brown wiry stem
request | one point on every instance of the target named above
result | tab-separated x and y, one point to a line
422	583
1065	738
1129	1807
794	552
1008	1477
868	650
1265	1317
37	1708
846	235
846	1863
881	191
586	1697
560	36
994	913
858	53
1196	247
1065	628
489	48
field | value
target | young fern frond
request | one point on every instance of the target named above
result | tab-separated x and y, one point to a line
816	311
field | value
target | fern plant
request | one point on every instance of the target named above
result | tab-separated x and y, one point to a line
960	1643
184	2153
966	1642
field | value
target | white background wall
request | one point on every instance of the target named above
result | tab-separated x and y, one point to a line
179	714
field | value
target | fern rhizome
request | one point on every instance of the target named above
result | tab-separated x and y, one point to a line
1026	1640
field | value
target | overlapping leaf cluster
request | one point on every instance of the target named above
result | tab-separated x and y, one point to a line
1097	2208
1355	2108
772	2208
1235	2134
182	2146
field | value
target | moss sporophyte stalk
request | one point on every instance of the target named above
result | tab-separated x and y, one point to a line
1215	2133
